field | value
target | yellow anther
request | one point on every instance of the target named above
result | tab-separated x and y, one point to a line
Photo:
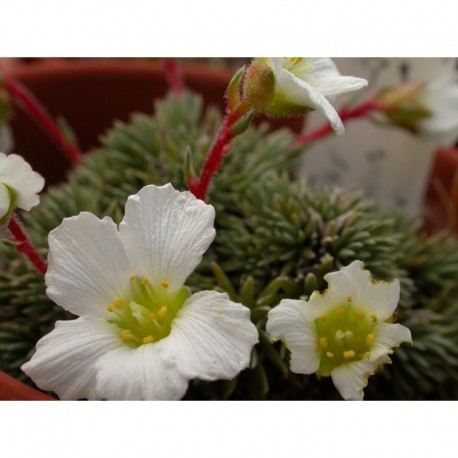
330	354
126	335
296	60
339	334
151	317
374	318
370	339
118	303
324	342
360	315
348	334
323	317
132	278
163	311
144	281
349	354
148	339
349	299
110	308
339	312
367	355
165	284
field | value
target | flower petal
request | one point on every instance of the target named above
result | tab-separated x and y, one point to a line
138	374
211	338
388	336
166	232
18	175
327	80
65	358
374	297
287	321
88	267
5	200
351	378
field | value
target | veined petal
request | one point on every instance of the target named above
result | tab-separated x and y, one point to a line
138	374
166	232
211	337
287	321
18	175
88	267
351	378
374	297
388	336
64	359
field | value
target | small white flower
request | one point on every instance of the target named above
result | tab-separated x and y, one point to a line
140	335
441	99
19	185
311	83
345	332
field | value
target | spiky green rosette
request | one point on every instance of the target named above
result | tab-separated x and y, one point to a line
275	239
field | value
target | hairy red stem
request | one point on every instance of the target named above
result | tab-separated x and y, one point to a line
25	246
215	157
346	114
174	76
24	98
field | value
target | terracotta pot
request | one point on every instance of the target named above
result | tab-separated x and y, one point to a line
91	95
441	198
13	390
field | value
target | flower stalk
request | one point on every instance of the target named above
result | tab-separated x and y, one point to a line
38	113
345	114
25	246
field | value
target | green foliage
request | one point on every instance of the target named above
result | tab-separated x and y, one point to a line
276	238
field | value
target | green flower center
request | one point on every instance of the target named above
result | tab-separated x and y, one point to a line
147	315
345	334
297	65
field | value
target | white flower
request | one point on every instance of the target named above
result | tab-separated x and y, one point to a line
345	332
140	335
441	99
19	185
310	82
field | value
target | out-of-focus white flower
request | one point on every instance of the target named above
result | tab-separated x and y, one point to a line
299	85
344	332
19	185
140	334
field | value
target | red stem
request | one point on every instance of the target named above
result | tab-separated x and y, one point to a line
174	76
24	98
215	157
346	114
25	246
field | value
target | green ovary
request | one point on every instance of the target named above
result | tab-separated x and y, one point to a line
147	315
345	335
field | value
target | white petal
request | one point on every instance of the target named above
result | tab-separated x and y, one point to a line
18	175
388	336
88	267
374	297
5	200
319	101
138	374
65	358
287	321
351	378
165	233
211	337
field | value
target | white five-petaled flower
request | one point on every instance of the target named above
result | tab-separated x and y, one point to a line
140	334
19	185
344	332
310	83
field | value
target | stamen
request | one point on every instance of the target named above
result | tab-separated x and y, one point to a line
367	355
118	303
360	315
370	339
349	299
132	278
163	311
329	354
348	334
374	318
165	284
296	60
148	339
349	354
339	313
110	308
339	334
323	317
144	281
126	335
151	317
324	342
